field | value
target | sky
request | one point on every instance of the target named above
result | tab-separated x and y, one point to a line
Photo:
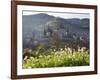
66	15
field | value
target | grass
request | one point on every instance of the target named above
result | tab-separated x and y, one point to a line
52	58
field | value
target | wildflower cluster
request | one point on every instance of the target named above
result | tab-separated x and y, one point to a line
64	57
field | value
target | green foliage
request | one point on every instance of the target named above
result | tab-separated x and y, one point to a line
49	58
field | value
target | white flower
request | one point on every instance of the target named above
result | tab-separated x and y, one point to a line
65	49
25	58
83	49
79	49
31	58
61	49
57	52
69	50
54	50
